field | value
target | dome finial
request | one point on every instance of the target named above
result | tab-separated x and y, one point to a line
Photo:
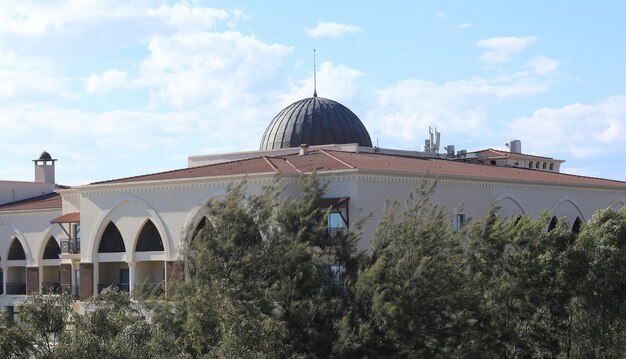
314	76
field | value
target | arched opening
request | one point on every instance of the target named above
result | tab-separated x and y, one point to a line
149	239
16	251
537	165
111	241
51	270
199	228
16	271
52	250
545	165
551	166
149	272
530	164
553	222
577	224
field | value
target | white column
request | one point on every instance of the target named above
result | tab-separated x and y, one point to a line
131	276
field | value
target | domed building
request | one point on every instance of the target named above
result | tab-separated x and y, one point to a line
128	232
314	121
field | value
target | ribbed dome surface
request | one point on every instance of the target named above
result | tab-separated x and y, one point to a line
314	121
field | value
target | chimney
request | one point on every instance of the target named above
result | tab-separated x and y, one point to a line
44	168
304	149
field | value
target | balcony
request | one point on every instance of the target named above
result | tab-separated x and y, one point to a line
16	288
70	246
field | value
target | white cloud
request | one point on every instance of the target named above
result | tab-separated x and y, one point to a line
501	49
465	25
543	65
440	14
336	82
109	80
577	130
221	69
460	109
333	30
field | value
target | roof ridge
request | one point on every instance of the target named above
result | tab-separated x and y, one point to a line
176	170
337	159
292	165
271	164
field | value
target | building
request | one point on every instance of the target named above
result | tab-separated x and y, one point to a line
128	232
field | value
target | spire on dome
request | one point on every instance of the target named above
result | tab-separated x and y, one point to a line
314	76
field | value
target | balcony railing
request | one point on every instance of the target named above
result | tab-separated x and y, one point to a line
70	246
51	288
16	288
122	287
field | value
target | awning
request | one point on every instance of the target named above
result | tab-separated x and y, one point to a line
326	203
73	217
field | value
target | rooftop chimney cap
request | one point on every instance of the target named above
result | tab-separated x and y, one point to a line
45	156
304	149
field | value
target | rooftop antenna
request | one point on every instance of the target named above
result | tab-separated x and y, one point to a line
314	76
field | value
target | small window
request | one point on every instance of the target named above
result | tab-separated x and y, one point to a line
530	164
336	223
545	165
458	220
551	166
537	165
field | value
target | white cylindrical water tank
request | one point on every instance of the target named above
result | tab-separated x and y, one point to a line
515	146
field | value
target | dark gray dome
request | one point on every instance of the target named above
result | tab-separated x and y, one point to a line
314	121
45	156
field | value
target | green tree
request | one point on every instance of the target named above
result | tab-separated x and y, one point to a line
265	263
599	263
410	299
111	327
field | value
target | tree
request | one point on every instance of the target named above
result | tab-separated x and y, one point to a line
516	272
410	298
599	262
111	327
262	267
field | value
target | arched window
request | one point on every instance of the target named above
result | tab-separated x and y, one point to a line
111	241
545	165
199	228
537	165
577	224
530	164
16	252
553	222
551	166
149	239
52	249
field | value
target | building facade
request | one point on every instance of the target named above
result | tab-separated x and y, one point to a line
130	232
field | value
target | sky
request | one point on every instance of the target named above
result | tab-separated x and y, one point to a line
120	88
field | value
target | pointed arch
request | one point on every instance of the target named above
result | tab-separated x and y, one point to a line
109	216
576	226
52	249
553	223
111	240
149	239
16	251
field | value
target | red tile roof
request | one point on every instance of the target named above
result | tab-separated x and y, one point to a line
48	201
72	217
327	160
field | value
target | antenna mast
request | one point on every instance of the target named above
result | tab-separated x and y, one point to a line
314	76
